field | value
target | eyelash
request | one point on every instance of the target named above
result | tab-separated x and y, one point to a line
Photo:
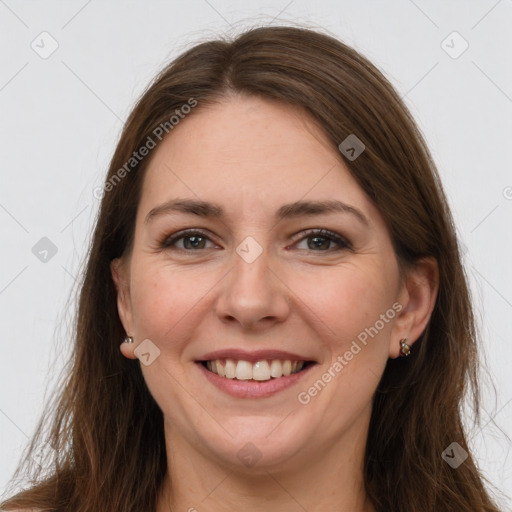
168	241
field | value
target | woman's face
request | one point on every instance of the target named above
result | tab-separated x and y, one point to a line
254	282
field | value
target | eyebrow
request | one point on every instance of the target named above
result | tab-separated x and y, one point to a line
292	210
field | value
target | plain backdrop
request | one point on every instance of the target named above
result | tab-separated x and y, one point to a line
61	115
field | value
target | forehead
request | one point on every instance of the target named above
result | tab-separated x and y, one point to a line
247	153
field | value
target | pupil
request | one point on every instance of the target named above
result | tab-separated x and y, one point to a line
194	240
322	240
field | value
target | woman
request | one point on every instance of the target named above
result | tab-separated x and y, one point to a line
275	248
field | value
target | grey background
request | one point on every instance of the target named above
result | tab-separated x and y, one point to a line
61	117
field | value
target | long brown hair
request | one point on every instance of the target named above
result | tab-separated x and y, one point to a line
106	439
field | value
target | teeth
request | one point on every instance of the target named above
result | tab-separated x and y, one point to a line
261	370
220	369
276	368
243	370
230	368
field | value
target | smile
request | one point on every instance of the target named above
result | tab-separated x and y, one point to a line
263	370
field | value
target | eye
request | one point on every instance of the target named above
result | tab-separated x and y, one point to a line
321	240
192	240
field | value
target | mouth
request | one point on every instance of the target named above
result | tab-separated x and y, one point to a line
261	370
254	374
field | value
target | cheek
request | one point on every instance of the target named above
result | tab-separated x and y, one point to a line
347	299
162	297
350	301
170	302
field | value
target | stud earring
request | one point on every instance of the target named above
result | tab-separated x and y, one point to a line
128	339
405	349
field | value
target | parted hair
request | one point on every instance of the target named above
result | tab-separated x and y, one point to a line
104	428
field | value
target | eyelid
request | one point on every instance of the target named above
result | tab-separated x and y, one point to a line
167	241
342	242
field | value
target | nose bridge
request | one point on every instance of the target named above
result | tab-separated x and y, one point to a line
251	292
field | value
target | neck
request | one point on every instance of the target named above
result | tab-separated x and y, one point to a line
314	480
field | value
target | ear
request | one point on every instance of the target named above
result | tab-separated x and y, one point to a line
417	297
121	279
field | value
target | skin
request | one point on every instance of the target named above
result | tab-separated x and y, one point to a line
251	156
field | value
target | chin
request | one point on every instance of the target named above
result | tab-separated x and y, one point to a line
258	444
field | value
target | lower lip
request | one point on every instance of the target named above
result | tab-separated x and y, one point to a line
252	388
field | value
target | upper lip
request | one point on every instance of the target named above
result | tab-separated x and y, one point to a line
253	356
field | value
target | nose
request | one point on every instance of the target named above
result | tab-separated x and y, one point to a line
253	294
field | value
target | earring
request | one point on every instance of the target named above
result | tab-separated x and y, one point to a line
128	339
405	349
